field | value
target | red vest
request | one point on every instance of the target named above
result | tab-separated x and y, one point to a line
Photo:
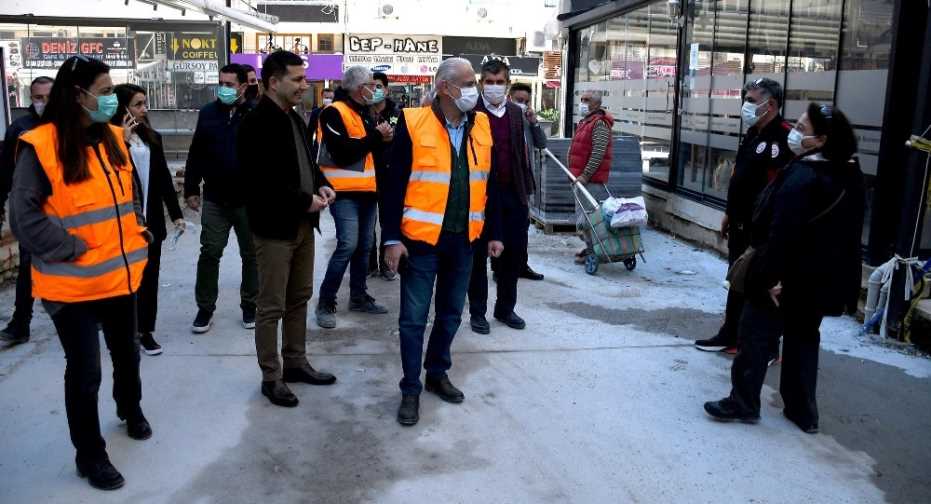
581	148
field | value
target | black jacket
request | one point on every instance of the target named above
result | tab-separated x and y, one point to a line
816	255
161	191
522	182
212	157
391	194
8	156
761	154
275	203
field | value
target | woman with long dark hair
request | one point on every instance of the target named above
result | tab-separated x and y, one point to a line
804	265
150	171
73	209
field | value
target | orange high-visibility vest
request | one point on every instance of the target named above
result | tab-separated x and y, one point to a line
100	212
431	167
357	177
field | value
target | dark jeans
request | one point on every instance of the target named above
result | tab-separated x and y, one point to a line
376	254
23	311
508	267
355	224
448	265
77	325
147	296
759	326
217	220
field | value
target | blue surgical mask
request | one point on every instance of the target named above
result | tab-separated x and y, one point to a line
795	141
106	107
378	96
227	95
749	113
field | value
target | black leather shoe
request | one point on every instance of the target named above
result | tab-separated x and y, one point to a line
137	427
807	427
727	410
409	411
530	274
512	320
442	387
100	474
16	332
479	324
279	394
307	374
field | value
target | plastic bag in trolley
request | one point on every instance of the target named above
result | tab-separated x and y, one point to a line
625	212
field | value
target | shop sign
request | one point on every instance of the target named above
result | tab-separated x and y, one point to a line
13	55
51	52
409	79
194	46
236	42
394	54
521	66
195	66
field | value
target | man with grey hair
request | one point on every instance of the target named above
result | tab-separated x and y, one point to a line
348	140
763	151
434	211
590	154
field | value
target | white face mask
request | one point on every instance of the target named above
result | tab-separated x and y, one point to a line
494	93
795	142
749	113
40	107
327	101
523	106
583	109
469	98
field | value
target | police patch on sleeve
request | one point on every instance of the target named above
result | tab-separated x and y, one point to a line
761	147
775	151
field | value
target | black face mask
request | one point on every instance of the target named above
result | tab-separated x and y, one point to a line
252	91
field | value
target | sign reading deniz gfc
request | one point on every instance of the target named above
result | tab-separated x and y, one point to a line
51	52
395	54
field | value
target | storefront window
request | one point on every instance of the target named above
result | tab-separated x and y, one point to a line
812	62
729	60
861	84
695	99
768	36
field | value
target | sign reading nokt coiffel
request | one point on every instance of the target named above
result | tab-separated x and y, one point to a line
395	54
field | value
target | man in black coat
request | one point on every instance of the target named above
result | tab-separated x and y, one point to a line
287	193
212	160
762	153
17	331
511	176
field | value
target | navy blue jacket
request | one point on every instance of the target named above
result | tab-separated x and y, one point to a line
8	156
213	158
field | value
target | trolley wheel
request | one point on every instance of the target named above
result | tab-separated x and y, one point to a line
591	264
630	263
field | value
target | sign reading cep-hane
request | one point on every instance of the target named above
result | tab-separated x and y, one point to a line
51	52
395	55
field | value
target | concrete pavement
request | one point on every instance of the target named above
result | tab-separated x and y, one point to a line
599	400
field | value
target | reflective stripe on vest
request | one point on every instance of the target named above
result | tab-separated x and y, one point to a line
92	270
99	211
431	168
357	177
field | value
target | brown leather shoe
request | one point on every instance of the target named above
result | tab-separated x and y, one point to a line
307	374
279	394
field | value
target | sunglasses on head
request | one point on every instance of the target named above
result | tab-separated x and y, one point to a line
79	57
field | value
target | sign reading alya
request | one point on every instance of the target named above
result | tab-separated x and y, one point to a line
395	54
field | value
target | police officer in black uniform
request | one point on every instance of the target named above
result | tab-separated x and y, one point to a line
762	153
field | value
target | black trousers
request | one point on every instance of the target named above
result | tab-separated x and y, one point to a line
514	218
77	325
23	309
147	297
737	244
759	326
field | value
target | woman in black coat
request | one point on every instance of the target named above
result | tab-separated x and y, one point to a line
151	175
806	236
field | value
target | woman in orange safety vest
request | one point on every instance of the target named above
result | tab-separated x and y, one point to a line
73	208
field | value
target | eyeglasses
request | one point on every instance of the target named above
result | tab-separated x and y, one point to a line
77	58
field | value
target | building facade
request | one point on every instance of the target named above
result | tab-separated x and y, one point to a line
672	73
